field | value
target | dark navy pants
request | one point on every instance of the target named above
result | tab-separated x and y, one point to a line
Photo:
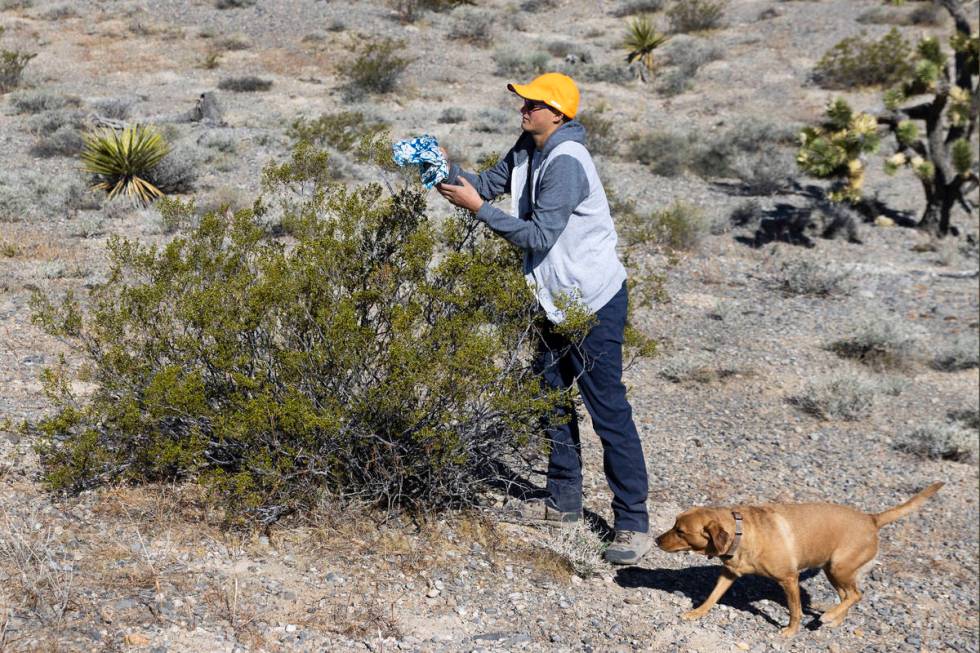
597	366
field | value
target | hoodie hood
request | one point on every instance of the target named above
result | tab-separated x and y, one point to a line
570	131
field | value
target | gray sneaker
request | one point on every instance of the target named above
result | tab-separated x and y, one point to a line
541	510
628	547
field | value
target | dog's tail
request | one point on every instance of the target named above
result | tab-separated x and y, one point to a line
898	512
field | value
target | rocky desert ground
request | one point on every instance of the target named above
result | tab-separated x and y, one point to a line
744	402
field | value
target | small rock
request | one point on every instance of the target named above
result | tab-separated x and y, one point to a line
135	639
290	628
882	221
432	593
742	646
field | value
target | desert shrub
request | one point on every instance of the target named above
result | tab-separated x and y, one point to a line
59	12
808	278
857	62
695	15
121	162
963	353
38	101
452	115
381	357
968	418
472	26
493	121
65	141
680	226
633	7
376	68
747	213
665	153
233	4
611	73
600	137
925	14
51	121
534	6
571	51
29	194
940	441
231	43
878	343
579	547
517	63
848	398
177	171
641	40
245	84
339	130
12	64
113	108
698	368
6	5
686	56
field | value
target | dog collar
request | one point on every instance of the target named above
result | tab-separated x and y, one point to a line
738	536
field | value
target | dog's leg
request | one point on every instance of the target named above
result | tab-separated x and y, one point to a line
844	574
847	584
827	607
791	585
724	582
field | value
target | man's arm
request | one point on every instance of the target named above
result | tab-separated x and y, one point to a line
494	181
563	187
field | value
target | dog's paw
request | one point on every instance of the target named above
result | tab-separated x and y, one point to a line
789	631
691	615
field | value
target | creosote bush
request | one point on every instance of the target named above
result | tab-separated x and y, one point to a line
381	357
376	68
341	130
857	62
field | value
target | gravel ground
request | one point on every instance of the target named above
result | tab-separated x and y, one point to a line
150	569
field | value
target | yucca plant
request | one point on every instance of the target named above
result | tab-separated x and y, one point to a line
122	160
642	38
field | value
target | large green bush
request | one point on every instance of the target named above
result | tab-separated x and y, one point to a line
856	62
376	356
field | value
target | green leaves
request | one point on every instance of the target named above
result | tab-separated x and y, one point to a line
122	160
642	38
834	149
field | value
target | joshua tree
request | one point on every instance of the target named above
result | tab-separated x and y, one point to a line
933	117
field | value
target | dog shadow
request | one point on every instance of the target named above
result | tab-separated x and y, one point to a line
697	582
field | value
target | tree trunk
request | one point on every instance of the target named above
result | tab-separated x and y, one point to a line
939	205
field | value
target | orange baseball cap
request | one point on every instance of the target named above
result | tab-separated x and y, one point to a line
554	89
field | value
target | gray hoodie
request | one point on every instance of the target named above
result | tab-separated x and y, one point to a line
562	219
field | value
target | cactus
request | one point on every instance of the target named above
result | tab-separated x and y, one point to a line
932	136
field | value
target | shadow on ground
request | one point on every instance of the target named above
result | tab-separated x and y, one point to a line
697	582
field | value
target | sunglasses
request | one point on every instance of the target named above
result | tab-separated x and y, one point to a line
530	106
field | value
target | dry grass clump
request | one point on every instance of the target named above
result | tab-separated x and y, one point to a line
877	343
697	369
452	115
579	547
686	56
849	398
38	101
940	441
802	277
37	572
926	14
962	353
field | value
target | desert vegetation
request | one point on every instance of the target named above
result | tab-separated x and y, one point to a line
259	390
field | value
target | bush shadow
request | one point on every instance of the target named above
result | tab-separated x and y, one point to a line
697	582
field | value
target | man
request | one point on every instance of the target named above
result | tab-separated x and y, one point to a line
560	218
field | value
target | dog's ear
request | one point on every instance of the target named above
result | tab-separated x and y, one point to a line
718	539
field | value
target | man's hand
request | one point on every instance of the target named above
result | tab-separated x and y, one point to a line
463	196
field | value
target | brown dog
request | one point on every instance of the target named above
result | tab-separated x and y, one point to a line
780	540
